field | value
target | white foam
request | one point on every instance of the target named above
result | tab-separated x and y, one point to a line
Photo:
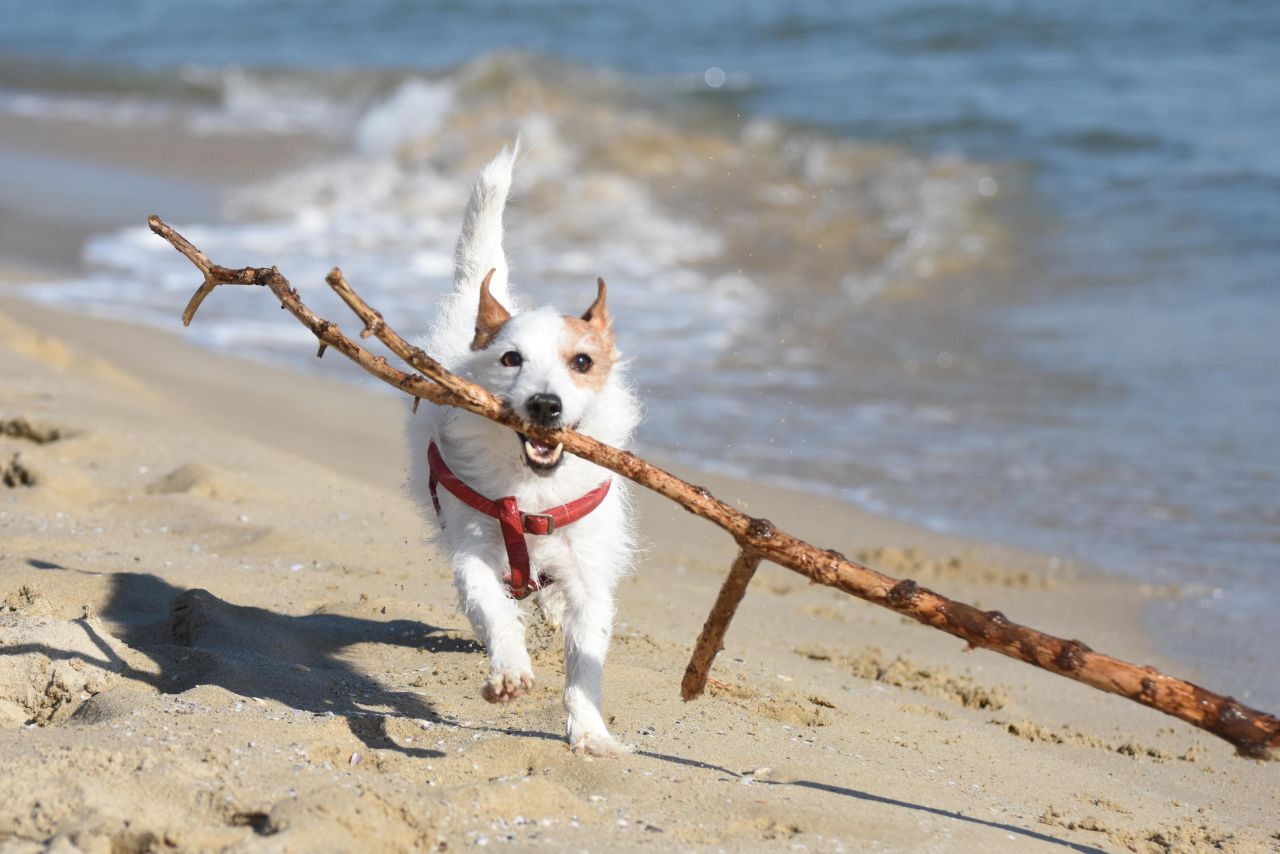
117	112
415	110
253	101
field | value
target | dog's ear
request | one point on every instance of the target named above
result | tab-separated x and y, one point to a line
490	316
597	316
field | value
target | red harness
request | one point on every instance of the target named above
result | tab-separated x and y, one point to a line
515	524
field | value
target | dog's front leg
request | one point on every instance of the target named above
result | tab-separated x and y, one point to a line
588	625
497	622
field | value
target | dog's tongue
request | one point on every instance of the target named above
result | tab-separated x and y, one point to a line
540	447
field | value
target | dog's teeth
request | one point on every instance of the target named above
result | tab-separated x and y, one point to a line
541	453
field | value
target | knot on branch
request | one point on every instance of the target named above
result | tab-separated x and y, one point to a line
760	529
1071	656
1231	713
998	618
903	594
1148	693
1253	735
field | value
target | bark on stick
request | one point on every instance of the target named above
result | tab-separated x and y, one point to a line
711	641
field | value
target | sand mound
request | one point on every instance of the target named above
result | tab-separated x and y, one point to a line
15	474
788	707
334	818
1186	836
1034	732
873	664
916	564
52	667
27	600
21	428
200	480
36	346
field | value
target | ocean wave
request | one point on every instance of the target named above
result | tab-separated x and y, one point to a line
740	220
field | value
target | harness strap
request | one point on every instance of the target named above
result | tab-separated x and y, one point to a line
514	524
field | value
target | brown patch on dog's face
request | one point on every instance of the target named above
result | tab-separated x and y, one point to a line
589	351
490	317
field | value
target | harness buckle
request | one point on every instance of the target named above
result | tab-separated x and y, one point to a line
551	520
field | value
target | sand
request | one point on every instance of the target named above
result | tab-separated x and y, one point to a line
220	628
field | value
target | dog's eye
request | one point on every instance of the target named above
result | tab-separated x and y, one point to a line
581	363
512	359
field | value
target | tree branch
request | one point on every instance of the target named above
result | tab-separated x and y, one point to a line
711	641
1253	733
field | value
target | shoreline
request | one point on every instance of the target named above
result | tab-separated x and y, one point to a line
65	179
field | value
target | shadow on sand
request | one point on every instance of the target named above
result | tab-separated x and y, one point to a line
881	799
194	638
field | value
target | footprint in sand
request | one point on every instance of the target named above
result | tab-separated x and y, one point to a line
199	480
15	472
21	428
53	667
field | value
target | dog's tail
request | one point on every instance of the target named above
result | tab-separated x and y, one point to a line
479	251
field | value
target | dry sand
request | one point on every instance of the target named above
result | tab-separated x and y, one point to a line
219	629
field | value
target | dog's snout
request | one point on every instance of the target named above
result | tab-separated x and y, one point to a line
544	409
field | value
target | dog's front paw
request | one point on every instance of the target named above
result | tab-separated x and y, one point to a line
503	686
599	744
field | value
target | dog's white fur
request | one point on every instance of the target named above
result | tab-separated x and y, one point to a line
586	559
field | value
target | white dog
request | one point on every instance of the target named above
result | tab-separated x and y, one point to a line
551	370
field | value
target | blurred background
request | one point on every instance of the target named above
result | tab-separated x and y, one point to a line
1004	269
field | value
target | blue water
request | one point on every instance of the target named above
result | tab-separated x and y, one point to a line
1011	269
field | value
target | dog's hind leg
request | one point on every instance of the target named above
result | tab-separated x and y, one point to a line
588	625
498	624
551	606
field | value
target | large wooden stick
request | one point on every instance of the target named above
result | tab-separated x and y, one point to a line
711	641
1253	733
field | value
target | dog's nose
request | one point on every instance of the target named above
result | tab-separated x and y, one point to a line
544	409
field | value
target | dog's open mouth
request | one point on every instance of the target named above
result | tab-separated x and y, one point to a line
539	455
